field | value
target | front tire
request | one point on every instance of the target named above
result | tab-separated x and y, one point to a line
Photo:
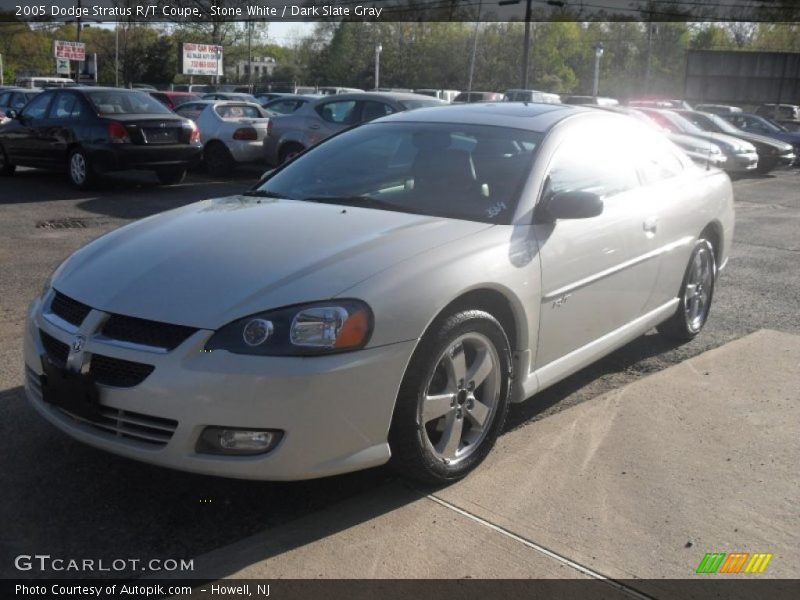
6	168
697	291
79	170
453	400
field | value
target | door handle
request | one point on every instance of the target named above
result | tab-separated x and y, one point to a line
650	225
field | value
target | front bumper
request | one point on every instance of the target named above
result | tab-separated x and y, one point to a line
737	163
335	410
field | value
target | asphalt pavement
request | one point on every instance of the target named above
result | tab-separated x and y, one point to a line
66	499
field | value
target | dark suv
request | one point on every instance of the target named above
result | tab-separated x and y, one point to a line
90	131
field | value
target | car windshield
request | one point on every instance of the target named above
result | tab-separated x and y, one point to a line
120	102
681	124
722	124
461	171
772	125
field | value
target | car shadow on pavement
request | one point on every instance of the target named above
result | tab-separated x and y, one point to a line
72	500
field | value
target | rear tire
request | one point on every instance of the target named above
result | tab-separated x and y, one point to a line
289	152
171	175
80	171
697	292
453	400
218	159
6	168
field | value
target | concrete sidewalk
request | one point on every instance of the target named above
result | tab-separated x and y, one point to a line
638	483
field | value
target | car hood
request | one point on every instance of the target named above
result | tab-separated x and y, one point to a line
792	137
754	138
211	262
694	142
723	140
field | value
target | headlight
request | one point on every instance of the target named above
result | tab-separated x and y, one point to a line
304	330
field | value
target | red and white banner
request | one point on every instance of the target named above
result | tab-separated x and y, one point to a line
201	59
69	50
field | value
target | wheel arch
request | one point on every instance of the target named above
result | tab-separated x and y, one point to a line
502	304
713	233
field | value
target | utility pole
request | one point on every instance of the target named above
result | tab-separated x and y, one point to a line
116	54
526	45
378	49
598	52
648	57
78	39
474	47
250	56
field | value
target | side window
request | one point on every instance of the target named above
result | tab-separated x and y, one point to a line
590	163
375	110
37	108
4	99
341	113
63	106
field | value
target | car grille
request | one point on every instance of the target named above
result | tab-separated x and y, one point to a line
147	333
68	309
122	328
117	372
104	369
147	429
57	351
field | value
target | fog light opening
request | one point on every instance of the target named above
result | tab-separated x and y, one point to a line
233	441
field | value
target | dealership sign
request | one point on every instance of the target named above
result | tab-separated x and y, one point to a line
200	59
69	50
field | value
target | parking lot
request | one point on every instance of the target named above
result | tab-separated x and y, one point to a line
67	499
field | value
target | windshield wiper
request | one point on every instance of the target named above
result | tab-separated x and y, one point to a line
265	194
359	201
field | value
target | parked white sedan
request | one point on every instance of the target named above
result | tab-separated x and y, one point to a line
232	132
384	296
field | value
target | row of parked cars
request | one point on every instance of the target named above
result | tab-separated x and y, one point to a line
94	130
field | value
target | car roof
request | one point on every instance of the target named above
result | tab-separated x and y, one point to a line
396	96
532	116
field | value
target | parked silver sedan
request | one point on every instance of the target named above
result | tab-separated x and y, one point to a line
314	121
232	132
383	297
740	155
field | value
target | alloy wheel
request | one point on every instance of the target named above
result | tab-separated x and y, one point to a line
461	396
699	285
77	168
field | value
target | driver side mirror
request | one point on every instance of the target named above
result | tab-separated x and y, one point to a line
569	205
12	113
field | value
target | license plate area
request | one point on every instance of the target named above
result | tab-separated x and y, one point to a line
168	135
74	392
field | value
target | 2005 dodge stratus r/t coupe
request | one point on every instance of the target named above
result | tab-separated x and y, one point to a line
383	296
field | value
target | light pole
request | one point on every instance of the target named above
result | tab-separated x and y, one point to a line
116	54
378	49
474	47
598	52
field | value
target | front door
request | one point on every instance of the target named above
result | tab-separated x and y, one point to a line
597	273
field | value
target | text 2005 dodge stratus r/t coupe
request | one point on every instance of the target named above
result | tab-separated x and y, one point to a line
383	296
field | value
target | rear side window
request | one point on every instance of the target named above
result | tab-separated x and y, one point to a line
342	113
284	107
63	106
375	110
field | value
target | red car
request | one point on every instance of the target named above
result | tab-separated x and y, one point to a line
172	100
